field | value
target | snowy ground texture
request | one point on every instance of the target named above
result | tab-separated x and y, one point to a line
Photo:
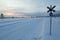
29	29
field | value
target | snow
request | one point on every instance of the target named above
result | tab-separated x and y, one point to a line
29	29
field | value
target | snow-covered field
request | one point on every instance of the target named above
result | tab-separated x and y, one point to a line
29	29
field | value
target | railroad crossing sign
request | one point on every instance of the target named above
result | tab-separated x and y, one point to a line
51	9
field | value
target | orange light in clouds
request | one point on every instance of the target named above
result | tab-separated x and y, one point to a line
11	14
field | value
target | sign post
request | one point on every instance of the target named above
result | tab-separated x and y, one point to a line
51	10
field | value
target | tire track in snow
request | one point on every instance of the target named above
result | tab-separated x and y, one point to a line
15	22
6	24
43	29
7	21
10	22
46	30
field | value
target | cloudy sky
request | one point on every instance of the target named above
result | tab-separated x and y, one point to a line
26	6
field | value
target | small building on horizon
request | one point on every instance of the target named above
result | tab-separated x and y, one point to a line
1	15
